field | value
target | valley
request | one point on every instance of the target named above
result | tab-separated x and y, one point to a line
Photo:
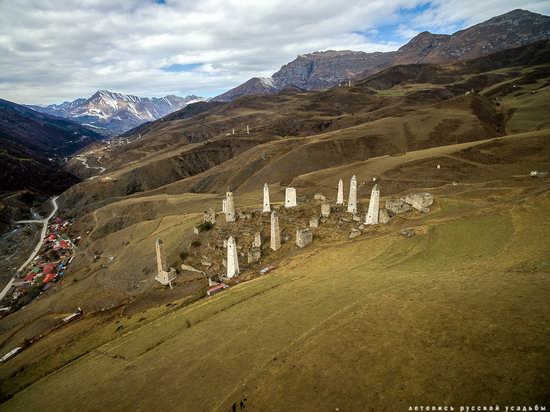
439	305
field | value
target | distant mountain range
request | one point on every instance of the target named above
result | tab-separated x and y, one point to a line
323	70
32	145
113	113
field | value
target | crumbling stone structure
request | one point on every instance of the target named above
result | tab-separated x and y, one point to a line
303	237
319	196
314	222
325	209
257	240
290	197
419	201
254	255
397	206
209	215
384	216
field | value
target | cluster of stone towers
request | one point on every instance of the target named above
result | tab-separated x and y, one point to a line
371	217
304	236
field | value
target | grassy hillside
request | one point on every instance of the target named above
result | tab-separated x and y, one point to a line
365	324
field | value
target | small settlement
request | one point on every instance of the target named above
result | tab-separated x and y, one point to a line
55	254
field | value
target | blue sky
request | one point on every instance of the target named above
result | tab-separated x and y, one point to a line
54	51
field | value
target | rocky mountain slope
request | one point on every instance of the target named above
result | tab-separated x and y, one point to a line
32	146
322	70
400	109
117	112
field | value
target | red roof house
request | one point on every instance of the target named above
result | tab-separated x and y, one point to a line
49	277
30	277
49	268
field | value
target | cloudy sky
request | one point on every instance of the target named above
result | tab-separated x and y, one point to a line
56	50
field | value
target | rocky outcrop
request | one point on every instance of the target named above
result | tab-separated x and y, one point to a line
322	70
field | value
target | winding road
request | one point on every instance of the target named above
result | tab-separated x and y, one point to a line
44	222
84	161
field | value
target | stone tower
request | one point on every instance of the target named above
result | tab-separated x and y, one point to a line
340	197
352	202
232	258
290	197
275	242
374	207
229	207
267	204
161	257
224	204
165	275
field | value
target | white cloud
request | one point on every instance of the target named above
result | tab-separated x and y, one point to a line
447	13
59	50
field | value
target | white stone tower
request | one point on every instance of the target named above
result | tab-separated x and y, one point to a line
267	204
340	197
161	257
229	207
275	241
374	207
290	197
247	129
165	275
232	258
352	202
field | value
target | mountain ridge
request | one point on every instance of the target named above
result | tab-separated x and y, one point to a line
114	112
323	70
32	146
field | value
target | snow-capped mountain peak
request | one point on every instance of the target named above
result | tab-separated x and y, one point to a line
117	112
